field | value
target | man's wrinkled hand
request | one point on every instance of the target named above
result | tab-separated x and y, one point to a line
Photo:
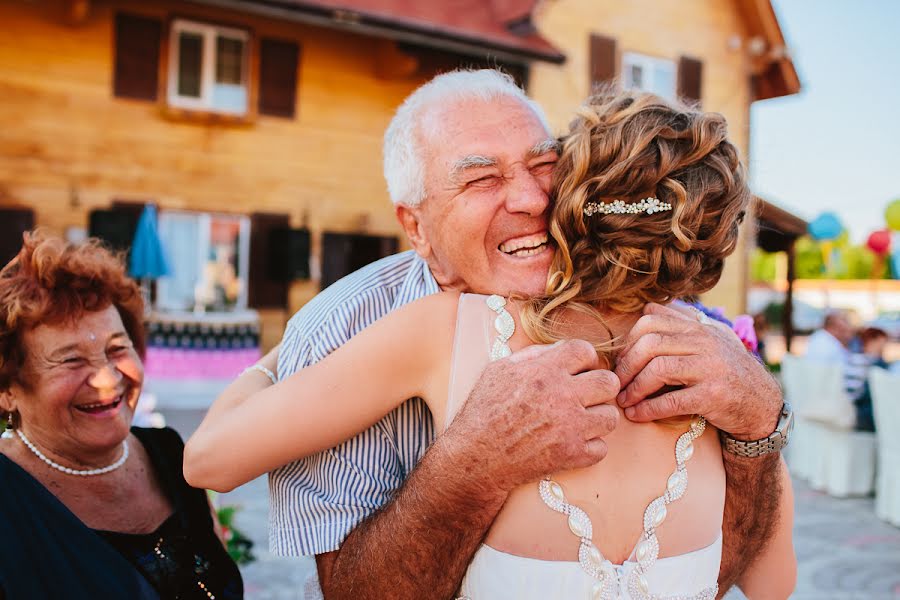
541	410
674	364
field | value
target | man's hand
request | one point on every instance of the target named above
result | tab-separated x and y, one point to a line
699	368
703	368
542	410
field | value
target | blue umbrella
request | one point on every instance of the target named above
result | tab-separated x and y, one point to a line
148	260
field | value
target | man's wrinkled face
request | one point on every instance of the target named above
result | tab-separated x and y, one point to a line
483	222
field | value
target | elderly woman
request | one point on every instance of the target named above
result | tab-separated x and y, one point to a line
90	507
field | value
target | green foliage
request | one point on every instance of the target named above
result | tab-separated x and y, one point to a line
762	265
239	546
847	261
809	263
856	263
774	313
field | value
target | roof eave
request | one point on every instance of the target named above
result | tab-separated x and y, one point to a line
787	223
428	35
777	75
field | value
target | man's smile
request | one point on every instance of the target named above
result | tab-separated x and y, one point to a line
528	245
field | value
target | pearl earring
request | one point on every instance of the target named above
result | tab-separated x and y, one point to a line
10	426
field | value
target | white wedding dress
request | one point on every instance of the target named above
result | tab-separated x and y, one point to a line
482	330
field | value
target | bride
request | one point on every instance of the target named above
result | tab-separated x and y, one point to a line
649	196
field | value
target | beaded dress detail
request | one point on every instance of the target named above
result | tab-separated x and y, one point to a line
635	580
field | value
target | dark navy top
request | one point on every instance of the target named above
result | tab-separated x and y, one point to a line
47	552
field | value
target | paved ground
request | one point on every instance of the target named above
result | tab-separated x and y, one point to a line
844	551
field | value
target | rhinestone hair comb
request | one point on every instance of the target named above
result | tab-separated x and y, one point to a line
620	207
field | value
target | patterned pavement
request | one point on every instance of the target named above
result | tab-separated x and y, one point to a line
844	551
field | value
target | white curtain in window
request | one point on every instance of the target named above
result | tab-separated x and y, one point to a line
183	235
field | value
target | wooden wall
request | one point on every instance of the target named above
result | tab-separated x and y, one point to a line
67	145
700	29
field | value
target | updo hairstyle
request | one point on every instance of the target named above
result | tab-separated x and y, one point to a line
631	146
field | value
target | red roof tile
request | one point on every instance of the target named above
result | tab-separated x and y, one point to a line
501	25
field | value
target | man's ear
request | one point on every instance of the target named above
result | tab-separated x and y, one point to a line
412	226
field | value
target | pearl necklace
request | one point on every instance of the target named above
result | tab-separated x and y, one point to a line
67	470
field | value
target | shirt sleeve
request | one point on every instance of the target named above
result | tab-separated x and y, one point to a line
317	501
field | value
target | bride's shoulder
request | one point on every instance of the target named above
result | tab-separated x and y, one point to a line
436	304
429	314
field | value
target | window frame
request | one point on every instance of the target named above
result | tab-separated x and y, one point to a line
209	33
202	246
649	64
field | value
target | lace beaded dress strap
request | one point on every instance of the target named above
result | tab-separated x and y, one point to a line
505	326
647	549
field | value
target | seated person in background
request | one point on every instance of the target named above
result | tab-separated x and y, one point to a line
872	342
831	345
90	507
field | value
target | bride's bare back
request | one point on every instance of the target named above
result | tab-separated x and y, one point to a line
614	492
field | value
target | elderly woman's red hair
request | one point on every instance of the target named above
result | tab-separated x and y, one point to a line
52	281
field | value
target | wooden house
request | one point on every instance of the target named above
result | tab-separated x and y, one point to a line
255	126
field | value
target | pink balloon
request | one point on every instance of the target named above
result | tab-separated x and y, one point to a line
879	242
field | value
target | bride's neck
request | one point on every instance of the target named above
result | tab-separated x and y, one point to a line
613	325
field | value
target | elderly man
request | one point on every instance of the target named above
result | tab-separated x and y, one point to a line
830	344
468	161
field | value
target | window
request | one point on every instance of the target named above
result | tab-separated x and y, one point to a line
209	256
208	68
648	74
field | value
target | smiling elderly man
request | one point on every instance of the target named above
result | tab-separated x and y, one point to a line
468	161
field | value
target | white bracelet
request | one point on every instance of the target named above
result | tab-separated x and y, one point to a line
262	370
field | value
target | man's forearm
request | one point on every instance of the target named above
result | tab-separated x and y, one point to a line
751	512
421	543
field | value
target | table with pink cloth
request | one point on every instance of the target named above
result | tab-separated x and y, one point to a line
192	357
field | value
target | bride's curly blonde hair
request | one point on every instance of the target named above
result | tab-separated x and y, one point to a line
630	146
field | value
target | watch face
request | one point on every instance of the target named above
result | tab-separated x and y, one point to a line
789	425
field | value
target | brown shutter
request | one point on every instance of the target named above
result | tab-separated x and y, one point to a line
603	60
137	42
278	77
690	78
13	223
263	290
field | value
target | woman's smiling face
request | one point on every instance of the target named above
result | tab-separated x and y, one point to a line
81	380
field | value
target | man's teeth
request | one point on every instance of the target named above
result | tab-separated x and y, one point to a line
527	246
528	251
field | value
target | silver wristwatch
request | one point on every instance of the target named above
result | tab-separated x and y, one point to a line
774	443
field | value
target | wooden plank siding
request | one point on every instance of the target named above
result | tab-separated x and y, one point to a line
68	145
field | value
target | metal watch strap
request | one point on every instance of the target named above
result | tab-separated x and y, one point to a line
773	443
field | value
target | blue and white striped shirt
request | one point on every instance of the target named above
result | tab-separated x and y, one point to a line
316	502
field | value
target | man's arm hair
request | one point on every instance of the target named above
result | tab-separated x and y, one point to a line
753	490
402	551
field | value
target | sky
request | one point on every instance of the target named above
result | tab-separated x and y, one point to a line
835	146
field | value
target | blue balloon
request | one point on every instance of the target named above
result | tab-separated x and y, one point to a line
826	227
895	264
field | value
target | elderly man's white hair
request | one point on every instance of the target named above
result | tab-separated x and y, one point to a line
404	169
